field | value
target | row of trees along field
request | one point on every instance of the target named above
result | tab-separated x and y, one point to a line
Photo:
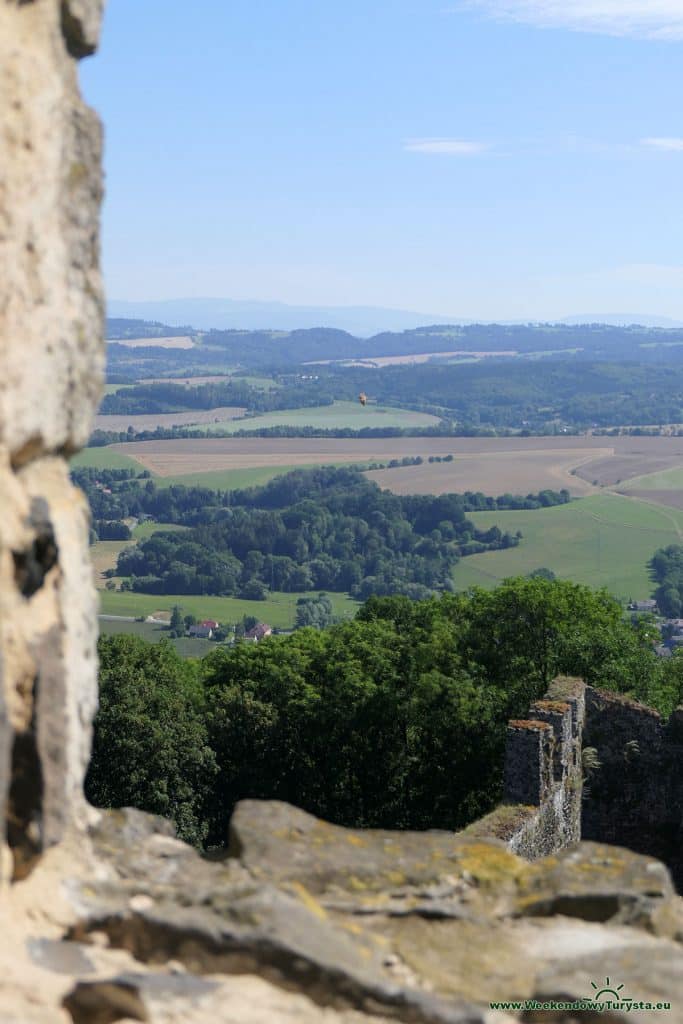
394	720
118	494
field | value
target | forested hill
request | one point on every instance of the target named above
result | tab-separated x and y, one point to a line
287	348
539	395
320	529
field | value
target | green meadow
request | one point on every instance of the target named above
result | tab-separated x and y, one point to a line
279	610
602	541
664	480
339	415
104	458
227	479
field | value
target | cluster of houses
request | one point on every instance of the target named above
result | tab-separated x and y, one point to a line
205	631
672	637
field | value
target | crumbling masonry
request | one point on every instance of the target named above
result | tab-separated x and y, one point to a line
627	789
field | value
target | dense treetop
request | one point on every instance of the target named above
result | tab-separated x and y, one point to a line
320	529
396	719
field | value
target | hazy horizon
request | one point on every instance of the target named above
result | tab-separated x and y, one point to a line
487	160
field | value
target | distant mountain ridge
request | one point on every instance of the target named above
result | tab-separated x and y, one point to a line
284	349
230	314
360	321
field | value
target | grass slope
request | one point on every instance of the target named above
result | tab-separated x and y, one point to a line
279	610
227	479
664	480
602	541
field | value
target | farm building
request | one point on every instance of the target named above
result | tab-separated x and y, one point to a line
201	632
259	632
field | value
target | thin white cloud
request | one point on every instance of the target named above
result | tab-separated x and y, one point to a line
650	19
445	147
665	144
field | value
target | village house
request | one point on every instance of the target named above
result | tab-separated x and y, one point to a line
259	632
201	632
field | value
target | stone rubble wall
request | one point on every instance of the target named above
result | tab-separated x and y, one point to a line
635	797
51	367
541	810
629	793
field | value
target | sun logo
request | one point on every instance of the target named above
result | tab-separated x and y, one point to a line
613	992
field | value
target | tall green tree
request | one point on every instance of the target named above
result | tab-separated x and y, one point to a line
150	745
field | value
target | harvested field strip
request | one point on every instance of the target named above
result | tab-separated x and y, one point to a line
204	455
179	341
623	469
492	473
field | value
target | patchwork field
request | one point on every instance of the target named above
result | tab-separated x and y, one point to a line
602	541
149	421
492	465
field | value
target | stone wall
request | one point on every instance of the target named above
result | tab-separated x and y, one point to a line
634	797
629	792
541	812
51	362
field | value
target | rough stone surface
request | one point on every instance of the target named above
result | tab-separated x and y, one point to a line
51	359
305	921
635	796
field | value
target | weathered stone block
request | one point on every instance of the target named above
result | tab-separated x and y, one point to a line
528	762
51	363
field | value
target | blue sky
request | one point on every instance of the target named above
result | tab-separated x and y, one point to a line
476	158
